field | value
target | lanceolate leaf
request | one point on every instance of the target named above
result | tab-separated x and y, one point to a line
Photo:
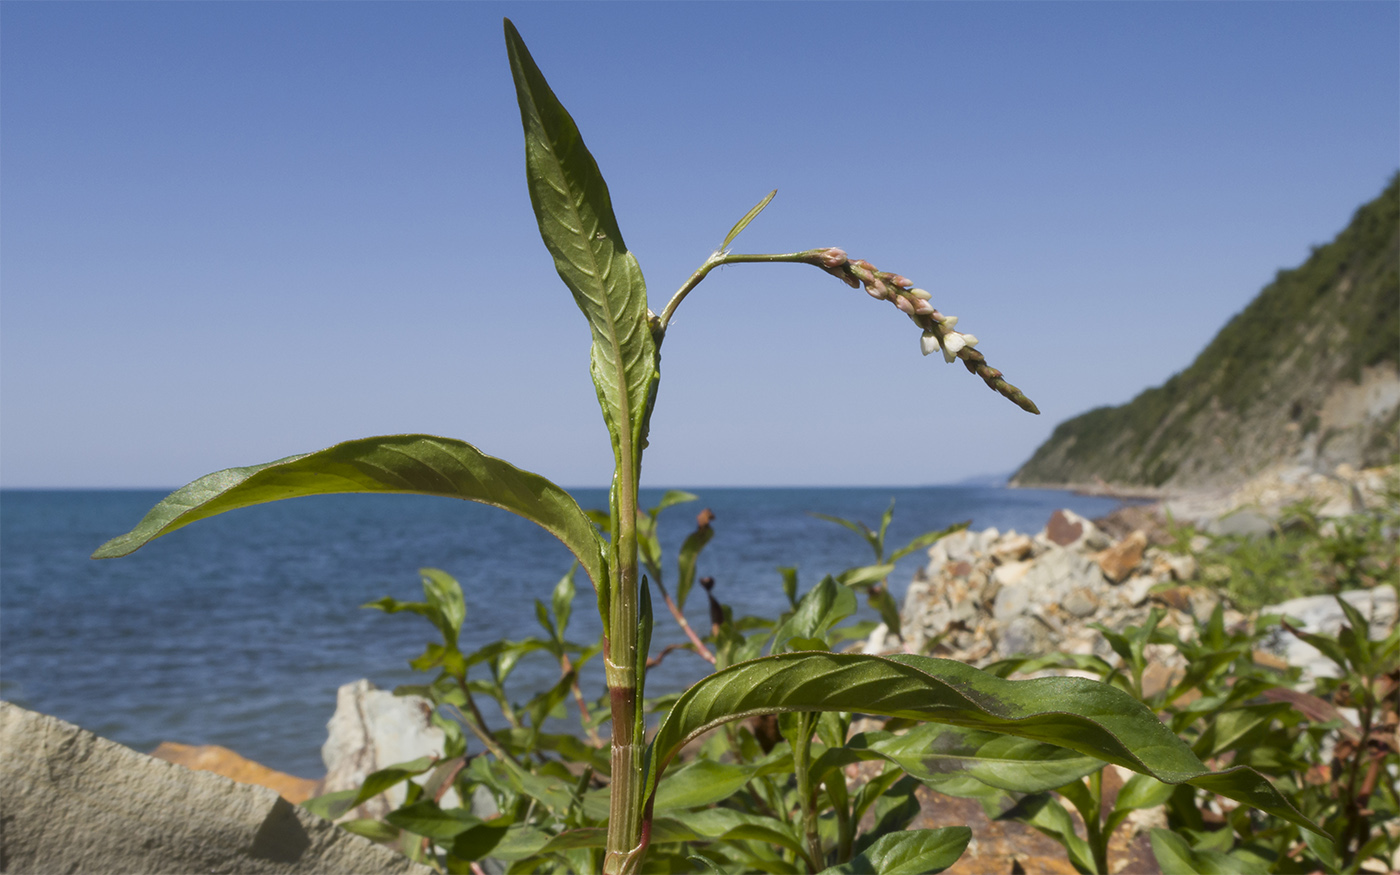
744	222
419	464
575	215
1085	716
915	852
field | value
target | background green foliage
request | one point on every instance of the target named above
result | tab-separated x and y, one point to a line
1313	326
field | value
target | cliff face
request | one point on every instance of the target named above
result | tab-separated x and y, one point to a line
1307	373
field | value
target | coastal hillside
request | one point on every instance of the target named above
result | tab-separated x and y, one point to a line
1306	374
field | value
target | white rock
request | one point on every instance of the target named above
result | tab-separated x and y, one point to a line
1011	573
371	730
1322	615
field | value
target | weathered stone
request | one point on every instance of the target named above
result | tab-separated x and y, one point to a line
371	730
1062	530
1134	591
1024	636
1123	558
1173	566
1246	523
958	547
74	802
1058	572
1081	603
1011	602
1013	548
222	761
1321	615
1011	573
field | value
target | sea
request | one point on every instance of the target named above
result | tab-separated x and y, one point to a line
238	630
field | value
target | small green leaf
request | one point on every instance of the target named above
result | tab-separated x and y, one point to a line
377	782
927	539
938	755
1045	813
724	824
701	782
444	593
825	605
1142	791
425	818
915	852
1174	854
859	528
331	805
864	576
789	584
374	830
686	559
563	600
744	222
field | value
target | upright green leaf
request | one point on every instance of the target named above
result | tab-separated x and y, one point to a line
825	605
574	211
1089	717
744	222
413	463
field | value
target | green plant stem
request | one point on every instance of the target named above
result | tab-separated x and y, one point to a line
718	259
477	724
1093	823
625	843
806	792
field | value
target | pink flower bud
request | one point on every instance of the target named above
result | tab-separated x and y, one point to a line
877	290
900	281
833	257
919	293
922	307
904	304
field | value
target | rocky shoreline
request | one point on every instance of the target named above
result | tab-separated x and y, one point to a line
982	596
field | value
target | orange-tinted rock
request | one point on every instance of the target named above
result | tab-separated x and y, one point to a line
222	761
1123	558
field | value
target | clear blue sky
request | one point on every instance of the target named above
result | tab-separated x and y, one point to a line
236	231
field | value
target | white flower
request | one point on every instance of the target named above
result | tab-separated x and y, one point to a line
952	342
949	323
929	343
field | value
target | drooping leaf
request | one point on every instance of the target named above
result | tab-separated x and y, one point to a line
915	852
1085	716
574	211
404	464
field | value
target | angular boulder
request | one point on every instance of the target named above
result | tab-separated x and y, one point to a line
74	802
